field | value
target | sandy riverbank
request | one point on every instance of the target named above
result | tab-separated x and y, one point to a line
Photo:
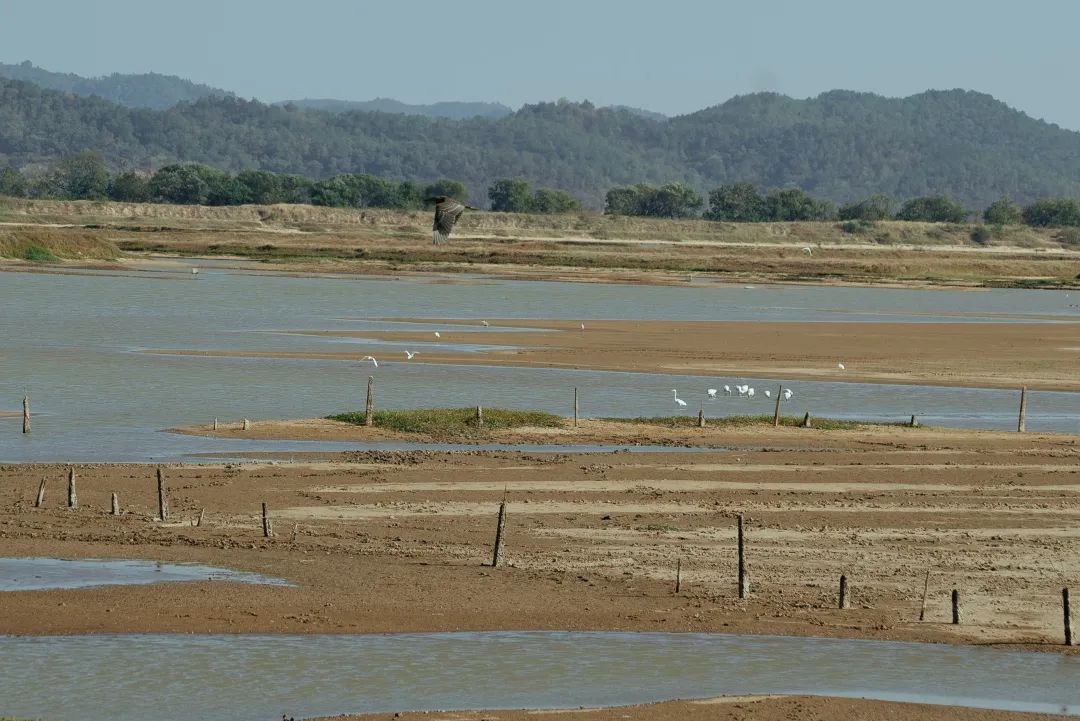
1000	355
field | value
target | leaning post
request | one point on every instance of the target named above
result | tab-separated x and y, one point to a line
499	535
1023	410
1068	617
369	409
162	500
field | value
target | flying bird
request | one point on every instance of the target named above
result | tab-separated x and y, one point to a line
409	354
447	211
370	358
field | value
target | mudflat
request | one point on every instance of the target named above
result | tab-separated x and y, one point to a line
1001	355
381	542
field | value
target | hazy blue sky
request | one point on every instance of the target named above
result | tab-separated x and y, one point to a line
673	56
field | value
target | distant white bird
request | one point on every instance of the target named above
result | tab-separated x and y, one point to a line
409	354
840	366
788	394
808	250
727	390
484	323
437	334
370	358
750	393
711	392
768	394
194	271
582	326
742	389
678	401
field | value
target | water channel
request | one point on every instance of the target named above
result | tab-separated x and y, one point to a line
253	678
42	574
76	344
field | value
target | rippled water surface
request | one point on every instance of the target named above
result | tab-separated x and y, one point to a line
255	678
39	574
73	343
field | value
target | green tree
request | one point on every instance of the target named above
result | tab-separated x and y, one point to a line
736	203
129	187
791	204
12	183
876	207
82	177
674	200
1003	212
182	184
547	200
1053	212
262	186
510	195
933	209
624	200
449	188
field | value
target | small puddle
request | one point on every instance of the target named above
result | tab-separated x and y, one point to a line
42	574
161	677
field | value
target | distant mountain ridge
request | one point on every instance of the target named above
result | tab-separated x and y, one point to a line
142	90
839	146
450	109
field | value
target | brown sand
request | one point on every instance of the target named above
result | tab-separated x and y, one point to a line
399	541
731	708
1001	355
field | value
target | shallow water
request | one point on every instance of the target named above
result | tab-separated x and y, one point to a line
242	678
40	574
99	398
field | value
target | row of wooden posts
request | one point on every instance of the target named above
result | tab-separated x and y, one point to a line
497	551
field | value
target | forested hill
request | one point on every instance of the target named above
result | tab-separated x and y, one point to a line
839	146
143	90
452	110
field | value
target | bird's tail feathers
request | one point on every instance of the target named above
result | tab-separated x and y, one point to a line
437	238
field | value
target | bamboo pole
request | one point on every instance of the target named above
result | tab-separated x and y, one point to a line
744	579
776	413
73	499
575	406
499	535
162	499
955	607
1023	410
40	493
369	407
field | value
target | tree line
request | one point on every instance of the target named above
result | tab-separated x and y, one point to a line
86	177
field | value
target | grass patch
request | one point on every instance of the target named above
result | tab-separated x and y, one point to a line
37	254
48	245
452	421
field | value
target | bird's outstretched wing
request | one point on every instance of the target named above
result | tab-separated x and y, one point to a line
447	211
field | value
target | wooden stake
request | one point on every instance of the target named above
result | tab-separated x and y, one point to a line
499	535
73	500
268	529
575	406
162	501
914	421
806	420
843	592
701	417
955	607
925	589
295	528
479	417
115	505
40	493
678	575
215	424
744	580
1023	410
1068	617
247	425
776	413
26	414
202	517
369	408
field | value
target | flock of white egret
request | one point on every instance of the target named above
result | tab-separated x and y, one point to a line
741	391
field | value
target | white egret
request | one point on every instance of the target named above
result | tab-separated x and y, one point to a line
711	392
370	358
678	401
808	250
788	394
484	323
194	271
409	354
840	366
742	389
750	393
582	326
437	334
768	394
727	390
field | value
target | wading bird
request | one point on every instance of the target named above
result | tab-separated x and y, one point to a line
484	323
447	211
437	334
409	355
370	358
711	393
727	390
840	366
678	401
750	393
768	394
808	250
788	394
